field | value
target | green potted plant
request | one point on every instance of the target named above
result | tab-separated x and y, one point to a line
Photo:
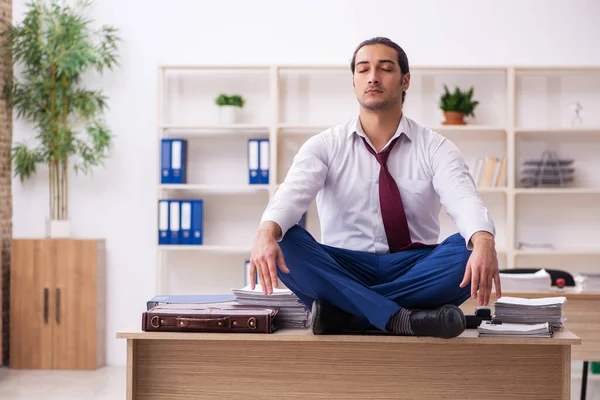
229	108
53	47
457	105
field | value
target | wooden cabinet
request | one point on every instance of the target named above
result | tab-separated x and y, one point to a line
57	304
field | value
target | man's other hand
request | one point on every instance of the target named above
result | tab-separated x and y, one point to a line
482	268
265	252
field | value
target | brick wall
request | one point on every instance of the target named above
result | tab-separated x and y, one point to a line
5	186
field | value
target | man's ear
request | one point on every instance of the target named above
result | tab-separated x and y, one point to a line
406	81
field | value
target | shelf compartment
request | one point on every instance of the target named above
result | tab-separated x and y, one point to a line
188	95
545	96
552	220
218	161
427	86
208	271
311	97
583	150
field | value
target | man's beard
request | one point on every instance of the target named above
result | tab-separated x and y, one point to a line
381	105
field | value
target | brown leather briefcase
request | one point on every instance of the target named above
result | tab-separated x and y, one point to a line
226	317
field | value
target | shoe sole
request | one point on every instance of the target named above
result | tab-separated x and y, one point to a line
452	329
317	329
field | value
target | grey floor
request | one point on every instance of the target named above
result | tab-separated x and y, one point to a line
109	384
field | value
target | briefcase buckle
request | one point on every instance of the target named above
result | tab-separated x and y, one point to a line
155	321
252	323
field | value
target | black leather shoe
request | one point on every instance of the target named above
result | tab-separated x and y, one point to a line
327	319
446	322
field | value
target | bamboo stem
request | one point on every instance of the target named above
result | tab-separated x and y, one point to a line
65	161
54	132
62	191
52	191
57	189
66	187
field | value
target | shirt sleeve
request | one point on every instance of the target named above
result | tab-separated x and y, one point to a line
301	185
457	190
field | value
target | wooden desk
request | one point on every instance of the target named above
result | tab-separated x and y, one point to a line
582	311
297	364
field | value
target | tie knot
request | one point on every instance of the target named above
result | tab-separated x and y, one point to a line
383	155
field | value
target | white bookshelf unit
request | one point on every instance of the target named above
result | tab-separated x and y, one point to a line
523	111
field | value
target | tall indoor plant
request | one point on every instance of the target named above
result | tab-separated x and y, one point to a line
52	48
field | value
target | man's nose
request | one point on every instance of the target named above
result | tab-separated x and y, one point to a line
373	78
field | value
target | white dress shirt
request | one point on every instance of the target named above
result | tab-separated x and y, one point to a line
335	167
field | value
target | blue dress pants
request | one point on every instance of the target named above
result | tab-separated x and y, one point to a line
370	286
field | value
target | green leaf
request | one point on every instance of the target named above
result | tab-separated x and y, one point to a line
25	161
458	101
53	47
230	100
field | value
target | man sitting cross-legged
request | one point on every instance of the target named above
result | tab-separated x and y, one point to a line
380	180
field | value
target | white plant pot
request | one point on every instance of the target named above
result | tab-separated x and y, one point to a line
56	228
229	115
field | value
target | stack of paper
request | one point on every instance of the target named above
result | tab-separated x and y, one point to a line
292	313
517	310
489	328
588	281
539	281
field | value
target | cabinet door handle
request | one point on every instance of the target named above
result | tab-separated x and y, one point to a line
57	305
45	305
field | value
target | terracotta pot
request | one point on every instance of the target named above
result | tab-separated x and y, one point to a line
454	118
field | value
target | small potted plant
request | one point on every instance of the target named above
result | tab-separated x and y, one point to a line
457	105
229	108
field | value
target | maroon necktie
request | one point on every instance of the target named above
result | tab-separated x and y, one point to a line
392	210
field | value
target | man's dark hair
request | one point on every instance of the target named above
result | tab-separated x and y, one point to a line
402	58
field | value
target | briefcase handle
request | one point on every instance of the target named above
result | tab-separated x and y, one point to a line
224	322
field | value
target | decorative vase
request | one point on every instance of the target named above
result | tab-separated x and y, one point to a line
58	228
229	115
454	118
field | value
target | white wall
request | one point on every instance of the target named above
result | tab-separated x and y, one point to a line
118	202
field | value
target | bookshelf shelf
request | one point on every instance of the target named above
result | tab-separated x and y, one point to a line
558	252
208	249
215	189
468	128
559	130
547	191
523	111
484	190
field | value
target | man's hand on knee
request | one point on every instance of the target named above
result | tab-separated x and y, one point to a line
265	253
482	269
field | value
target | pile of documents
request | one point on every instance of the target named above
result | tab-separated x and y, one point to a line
489	328
539	281
292	313
588	281
517	310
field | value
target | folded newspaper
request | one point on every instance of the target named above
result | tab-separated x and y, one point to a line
292	313
489	328
517	310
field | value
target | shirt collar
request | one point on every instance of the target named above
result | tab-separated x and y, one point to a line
403	128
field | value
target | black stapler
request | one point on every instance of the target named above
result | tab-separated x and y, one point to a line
481	314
